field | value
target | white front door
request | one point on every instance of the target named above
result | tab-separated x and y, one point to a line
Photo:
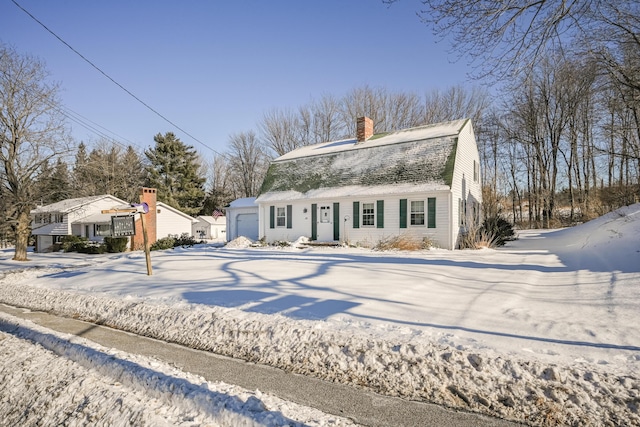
325	223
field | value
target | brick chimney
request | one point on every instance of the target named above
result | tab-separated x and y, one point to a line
148	196
364	129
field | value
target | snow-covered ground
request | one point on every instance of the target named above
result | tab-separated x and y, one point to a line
98	386
544	330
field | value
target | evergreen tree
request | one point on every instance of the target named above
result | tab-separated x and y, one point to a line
83	180
174	170
60	182
131	177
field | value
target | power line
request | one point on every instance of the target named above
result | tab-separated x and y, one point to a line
112	80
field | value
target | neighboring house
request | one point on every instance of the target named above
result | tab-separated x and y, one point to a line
210	227
242	219
172	222
78	217
423	182
83	217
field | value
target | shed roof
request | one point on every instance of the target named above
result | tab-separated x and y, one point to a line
416	159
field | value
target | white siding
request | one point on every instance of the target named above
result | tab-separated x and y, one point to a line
464	186
364	235
171	223
300	221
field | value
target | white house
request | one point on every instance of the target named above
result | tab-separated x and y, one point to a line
78	217
423	181
83	217
210	227
242	219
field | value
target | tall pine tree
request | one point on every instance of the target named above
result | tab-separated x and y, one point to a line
174	170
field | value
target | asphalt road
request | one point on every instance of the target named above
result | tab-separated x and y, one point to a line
358	404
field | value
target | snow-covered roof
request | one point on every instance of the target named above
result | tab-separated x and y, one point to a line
245	202
212	220
68	205
417	157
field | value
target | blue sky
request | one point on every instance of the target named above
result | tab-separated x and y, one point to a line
215	67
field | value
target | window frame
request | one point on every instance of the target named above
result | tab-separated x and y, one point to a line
413	214
99	230
278	217
369	216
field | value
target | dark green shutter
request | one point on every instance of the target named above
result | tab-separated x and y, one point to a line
289	216
431	212
314	222
356	214
336	221
380	214
272	217
403	213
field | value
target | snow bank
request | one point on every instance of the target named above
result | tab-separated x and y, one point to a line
485	382
239	243
93	385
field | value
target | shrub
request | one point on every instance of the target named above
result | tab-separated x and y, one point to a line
495	231
499	229
164	243
73	243
92	248
116	244
403	242
185	240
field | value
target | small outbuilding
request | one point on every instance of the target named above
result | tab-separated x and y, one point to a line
210	227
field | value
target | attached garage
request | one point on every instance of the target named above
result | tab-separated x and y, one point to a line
247	225
242	219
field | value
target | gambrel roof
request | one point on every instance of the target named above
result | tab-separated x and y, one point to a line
410	160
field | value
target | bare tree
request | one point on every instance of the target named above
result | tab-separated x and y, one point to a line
456	102
249	162
389	111
32	133
279	130
505	38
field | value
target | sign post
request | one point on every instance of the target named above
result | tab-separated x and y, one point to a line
122	227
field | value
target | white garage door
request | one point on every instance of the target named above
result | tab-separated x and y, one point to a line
247	225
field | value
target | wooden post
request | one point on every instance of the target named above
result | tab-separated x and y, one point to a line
147	249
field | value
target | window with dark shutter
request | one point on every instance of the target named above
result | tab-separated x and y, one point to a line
272	217
356	214
431	212
403	213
